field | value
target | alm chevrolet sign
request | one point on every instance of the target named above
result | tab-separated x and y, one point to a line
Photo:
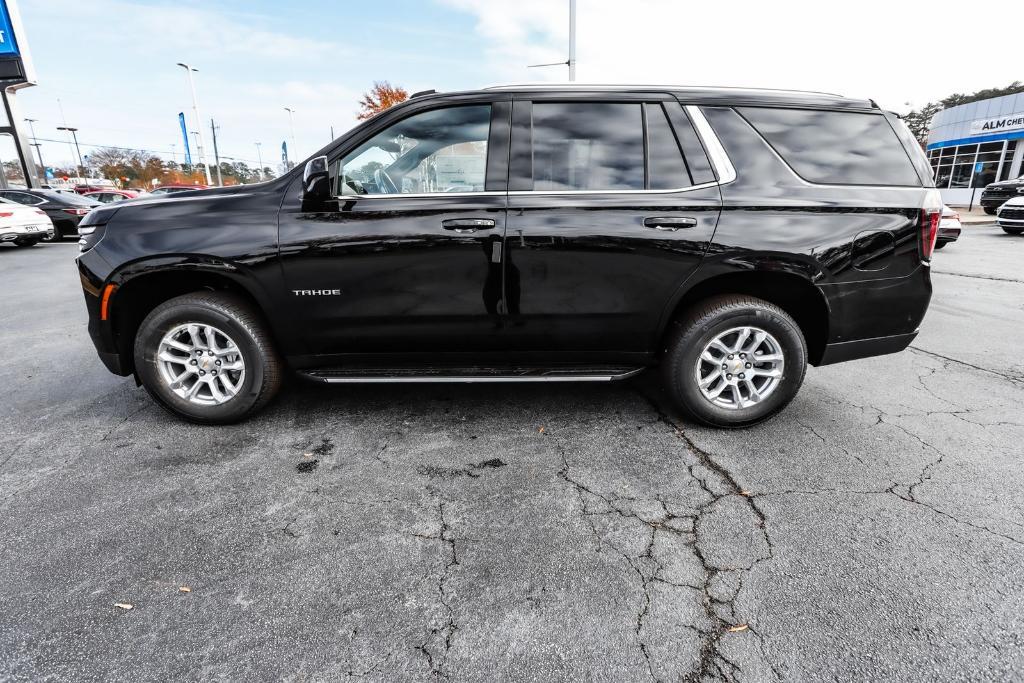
1000	124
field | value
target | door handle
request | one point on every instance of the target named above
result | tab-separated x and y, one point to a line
670	222
468	224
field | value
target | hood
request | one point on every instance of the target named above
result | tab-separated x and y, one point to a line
1015	201
1015	182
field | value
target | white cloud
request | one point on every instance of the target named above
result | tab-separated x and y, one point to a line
893	52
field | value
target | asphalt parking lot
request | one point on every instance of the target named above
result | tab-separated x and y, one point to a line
873	531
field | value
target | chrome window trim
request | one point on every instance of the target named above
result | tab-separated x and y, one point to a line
716	153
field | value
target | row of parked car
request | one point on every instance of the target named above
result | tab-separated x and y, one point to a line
30	216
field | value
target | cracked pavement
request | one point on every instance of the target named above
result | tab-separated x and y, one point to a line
873	531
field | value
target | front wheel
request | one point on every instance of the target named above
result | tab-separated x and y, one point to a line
207	357
991	211
734	361
1013	231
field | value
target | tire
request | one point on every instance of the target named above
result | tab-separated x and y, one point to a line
940	245
26	243
236	322
706	322
55	237
1013	231
991	211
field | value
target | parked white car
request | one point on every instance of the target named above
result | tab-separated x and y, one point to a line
23	225
1010	216
949	227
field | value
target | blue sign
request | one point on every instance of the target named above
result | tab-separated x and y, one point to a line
49	174
184	136
8	44
284	152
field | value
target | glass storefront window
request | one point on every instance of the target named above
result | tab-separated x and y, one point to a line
986	175
961	175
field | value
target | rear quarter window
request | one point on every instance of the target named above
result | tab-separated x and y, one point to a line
835	148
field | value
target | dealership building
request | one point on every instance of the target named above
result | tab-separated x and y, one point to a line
972	145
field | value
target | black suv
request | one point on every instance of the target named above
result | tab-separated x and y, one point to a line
996	194
533	234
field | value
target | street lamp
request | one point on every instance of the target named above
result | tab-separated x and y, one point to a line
199	121
291	126
259	155
73	131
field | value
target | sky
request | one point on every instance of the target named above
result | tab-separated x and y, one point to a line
112	63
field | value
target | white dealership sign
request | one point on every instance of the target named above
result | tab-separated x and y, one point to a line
999	124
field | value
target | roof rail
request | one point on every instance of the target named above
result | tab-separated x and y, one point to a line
422	93
642	86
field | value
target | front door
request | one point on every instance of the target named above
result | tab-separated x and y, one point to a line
406	257
612	205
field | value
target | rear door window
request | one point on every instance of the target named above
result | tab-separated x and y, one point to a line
606	147
588	146
835	148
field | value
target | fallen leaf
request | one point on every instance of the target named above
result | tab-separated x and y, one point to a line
123	605
745	493
737	628
541	430
184	589
307	455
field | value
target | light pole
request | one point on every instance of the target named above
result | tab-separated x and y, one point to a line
199	121
572	40
259	155
39	148
73	131
291	126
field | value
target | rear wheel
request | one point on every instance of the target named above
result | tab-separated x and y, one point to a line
734	361
26	242
208	358
1013	231
54	236
940	245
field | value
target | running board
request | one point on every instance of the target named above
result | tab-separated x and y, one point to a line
468	375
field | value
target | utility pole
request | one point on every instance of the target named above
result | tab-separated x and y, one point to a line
39	148
571	62
572	40
81	166
259	155
216	154
332	133
199	121
291	126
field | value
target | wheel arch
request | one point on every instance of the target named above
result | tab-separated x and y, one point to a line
142	286
794	293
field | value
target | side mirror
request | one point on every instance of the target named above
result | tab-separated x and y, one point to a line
315	181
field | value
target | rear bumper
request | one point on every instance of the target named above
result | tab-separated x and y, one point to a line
948	235
865	348
874	317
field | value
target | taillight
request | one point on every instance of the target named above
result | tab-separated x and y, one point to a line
931	214
40	212
76	212
6	214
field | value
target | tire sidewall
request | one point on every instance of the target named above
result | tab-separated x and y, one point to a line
691	344
162	321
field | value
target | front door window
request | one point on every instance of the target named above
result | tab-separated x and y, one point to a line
434	152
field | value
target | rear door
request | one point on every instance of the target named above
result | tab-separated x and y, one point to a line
612	205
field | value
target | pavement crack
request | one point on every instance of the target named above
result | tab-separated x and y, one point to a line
978	277
1011	378
446	632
